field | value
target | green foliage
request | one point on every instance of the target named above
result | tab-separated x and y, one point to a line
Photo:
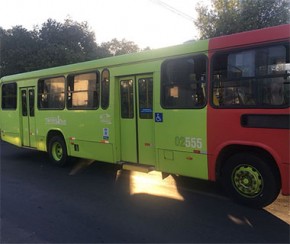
232	16
66	43
265	13
116	47
54	44
17	53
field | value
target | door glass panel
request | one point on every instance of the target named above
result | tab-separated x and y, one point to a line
145	87
24	103
31	103
127	100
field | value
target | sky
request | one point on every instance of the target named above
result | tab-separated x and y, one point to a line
153	23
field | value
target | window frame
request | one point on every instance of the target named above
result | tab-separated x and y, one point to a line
147	114
254	79
127	108
203	82
14	96
38	93
98	89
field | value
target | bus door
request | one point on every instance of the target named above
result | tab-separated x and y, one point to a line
28	116
136	116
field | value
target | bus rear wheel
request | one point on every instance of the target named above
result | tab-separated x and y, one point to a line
250	180
57	150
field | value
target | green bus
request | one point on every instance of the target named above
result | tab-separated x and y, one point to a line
198	109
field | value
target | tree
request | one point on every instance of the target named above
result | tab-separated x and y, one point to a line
18	48
66	43
265	13
54	44
116	47
232	16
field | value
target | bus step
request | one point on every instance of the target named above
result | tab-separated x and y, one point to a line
138	167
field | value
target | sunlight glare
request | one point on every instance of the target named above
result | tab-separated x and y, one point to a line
152	184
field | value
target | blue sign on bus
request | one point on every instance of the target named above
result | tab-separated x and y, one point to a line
159	117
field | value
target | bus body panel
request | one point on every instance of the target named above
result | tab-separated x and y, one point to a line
274	141
82	131
10	130
183	150
260	36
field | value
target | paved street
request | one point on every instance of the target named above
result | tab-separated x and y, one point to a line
95	203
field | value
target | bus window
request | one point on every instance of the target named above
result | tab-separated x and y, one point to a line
183	82
9	96
51	93
83	91
252	78
24	103
31	102
127	99
145	88
105	89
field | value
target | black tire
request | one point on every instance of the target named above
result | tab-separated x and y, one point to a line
250	180
57	151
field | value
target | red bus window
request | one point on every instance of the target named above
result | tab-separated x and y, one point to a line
252	78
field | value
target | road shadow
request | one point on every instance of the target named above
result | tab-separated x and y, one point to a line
96	204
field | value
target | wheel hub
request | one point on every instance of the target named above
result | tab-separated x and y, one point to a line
57	151
247	180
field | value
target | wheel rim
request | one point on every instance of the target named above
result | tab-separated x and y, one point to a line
247	180
57	151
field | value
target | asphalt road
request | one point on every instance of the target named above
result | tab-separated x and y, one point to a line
95	203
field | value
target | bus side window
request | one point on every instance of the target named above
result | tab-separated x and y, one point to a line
83	91
251	78
105	89
9	96
183	83
51	93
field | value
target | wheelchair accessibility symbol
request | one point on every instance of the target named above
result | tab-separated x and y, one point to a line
158	117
